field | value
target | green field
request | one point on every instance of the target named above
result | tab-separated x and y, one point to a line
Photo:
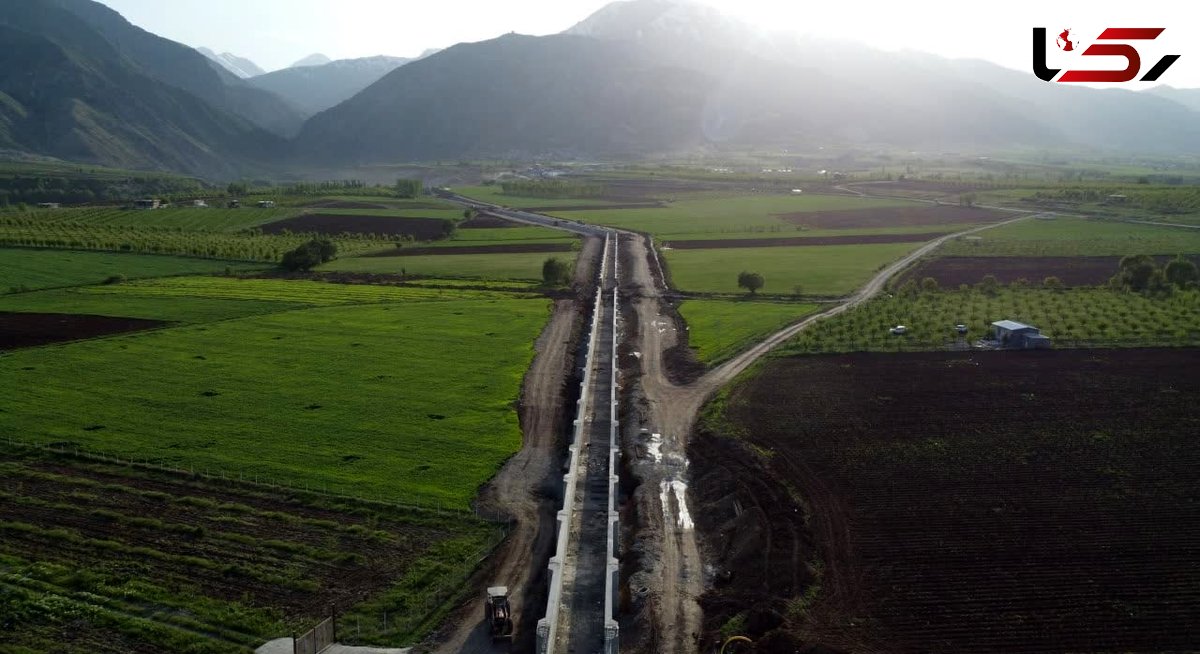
1071	318
516	266
410	401
206	299
821	270
22	269
792	231
1076	237
495	195
719	329
723	217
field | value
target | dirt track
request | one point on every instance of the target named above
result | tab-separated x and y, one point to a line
526	486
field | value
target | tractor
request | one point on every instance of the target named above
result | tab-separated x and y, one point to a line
498	614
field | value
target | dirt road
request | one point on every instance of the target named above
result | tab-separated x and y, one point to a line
526	485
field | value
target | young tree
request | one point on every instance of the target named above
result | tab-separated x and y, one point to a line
929	284
989	285
751	281
1052	282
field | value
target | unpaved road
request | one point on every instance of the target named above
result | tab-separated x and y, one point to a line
673	570
520	489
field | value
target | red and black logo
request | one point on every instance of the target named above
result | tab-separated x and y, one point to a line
1067	43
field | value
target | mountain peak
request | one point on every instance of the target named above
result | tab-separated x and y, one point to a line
315	59
637	20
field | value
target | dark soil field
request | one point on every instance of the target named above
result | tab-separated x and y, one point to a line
852	239
477	249
30	329
191	543
1073	271
421	229
892	217
943	502
345	204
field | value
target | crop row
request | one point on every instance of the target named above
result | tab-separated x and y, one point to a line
1097	316
183	218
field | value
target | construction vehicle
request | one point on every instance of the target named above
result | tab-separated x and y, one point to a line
498	613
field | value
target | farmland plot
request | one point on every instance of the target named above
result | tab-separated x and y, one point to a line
97	556
985	502
407	401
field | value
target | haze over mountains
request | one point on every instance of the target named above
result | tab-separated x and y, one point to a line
240	66
636	78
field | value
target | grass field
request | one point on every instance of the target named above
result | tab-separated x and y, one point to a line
22	269
719	329
207	299
409	401
824	270
516	266
1076	237
723	217
495	195
1072	318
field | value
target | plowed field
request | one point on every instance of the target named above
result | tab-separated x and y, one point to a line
30	329
941	502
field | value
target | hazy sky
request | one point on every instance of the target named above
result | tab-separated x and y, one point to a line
275	33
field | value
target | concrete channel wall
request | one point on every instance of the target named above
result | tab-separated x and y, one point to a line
612	581
547	627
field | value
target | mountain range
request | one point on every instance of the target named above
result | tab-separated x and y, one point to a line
313	88
637	78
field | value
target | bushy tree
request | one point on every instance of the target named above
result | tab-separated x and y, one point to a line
409	188
1052	282
1138	273
751	281
555	272
929	284
1181	272
989	285
309	255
